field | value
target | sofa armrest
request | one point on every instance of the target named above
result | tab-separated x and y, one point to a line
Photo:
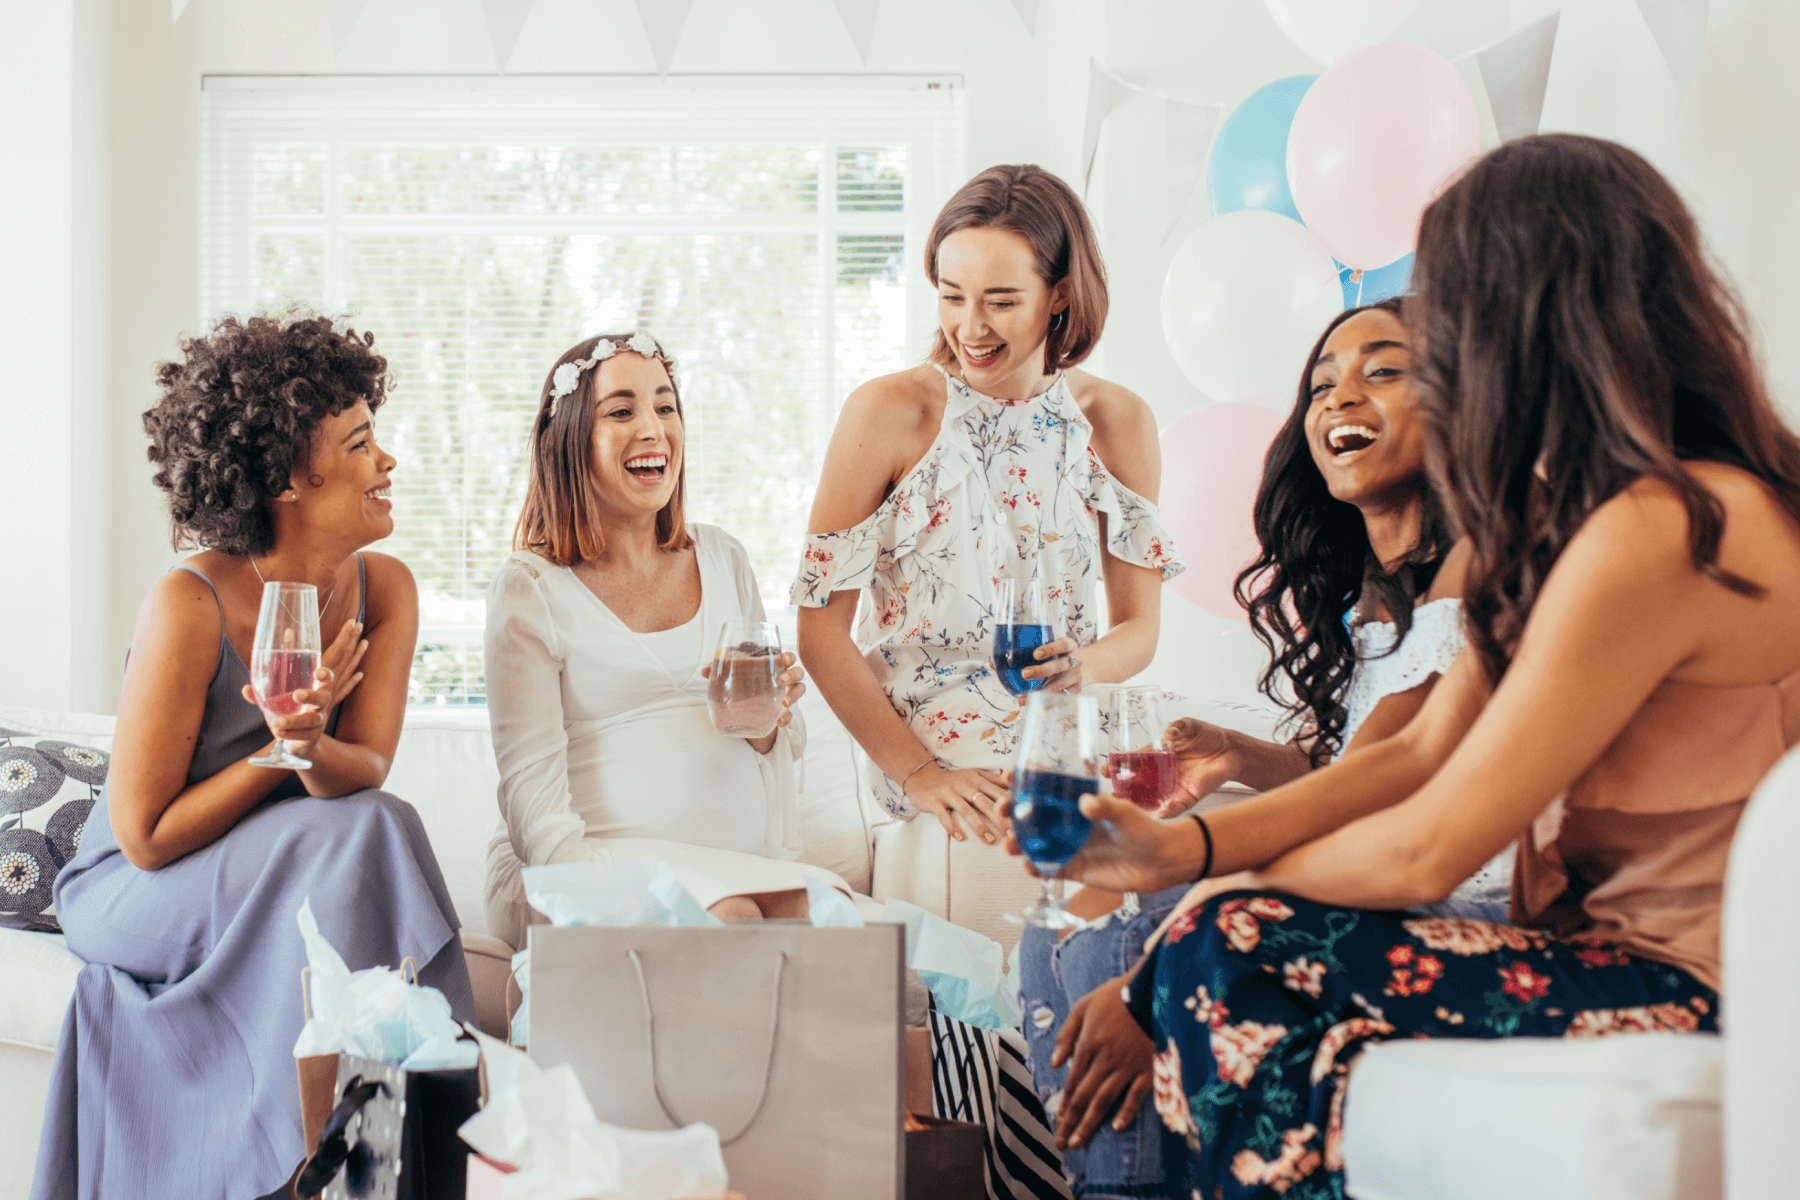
1761	978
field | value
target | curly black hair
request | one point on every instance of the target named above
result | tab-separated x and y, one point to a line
237	414
1314	563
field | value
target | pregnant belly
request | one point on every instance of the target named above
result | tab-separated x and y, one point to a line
670	775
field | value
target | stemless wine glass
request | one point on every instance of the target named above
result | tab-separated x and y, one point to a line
283	658
1059	761
1139	761
1021	625
743	693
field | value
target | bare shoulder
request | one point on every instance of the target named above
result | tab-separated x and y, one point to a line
1124	431
1115	412
905	405
392	588
182	604
1447	584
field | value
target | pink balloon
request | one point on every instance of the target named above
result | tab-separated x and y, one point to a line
1374	141
1212	464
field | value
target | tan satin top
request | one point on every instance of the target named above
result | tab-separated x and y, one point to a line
1634	853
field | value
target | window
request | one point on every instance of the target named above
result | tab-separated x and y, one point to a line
766	231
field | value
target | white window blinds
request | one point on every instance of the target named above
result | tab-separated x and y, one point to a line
767	231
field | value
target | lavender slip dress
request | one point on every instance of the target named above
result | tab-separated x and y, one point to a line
174	1075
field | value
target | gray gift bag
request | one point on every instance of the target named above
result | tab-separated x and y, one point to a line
784	1038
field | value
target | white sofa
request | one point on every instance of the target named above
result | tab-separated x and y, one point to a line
445	768
1637	1117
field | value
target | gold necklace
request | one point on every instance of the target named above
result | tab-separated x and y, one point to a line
323	608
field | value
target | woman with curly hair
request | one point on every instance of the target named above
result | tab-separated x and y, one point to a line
1600	433
174	1073
1355	592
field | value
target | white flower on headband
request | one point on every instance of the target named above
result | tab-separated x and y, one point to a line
567	377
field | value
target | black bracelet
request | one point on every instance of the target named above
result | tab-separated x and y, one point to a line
1206	867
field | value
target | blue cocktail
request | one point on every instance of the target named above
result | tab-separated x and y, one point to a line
1058	763
1013	645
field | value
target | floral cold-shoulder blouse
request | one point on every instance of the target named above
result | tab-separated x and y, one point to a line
1007	487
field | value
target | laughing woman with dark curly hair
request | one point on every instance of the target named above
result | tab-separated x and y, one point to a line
173	1075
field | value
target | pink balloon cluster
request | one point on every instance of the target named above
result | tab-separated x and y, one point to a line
1374	141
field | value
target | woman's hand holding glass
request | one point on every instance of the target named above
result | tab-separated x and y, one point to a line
299	732
1127	849
1204	760
1058	666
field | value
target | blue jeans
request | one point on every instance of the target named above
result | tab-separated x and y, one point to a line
1121	1165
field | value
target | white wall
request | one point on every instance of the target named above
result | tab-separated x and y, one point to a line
53	115
101	261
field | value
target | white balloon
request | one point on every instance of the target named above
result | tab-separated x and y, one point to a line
1329	29
1246	296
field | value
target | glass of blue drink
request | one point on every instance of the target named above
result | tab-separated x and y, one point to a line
1059	762
1021	625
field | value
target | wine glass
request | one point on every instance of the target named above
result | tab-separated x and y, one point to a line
283	659
1021	625
743	691
1139	761
1059	761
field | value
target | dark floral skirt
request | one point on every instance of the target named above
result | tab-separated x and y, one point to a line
1261	1000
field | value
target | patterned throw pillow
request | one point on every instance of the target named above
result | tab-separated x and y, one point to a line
47	790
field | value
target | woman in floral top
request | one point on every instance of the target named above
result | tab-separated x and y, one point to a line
994	460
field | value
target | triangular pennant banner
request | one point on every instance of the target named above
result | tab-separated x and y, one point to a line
505	19
1188	134
1515	71
1679	27
176	8
858	17
1028	13
343	14
1105	90
663	22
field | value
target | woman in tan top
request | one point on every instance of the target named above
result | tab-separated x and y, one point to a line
1631	503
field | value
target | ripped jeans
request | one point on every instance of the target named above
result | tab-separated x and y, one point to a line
1121	1165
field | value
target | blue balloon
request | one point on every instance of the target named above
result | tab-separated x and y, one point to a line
1248	166
1378	283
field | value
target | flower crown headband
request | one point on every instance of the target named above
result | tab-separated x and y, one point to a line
567	377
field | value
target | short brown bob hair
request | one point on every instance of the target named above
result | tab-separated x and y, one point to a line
1040	208
561	520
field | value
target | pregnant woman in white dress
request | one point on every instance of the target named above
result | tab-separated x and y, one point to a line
600	633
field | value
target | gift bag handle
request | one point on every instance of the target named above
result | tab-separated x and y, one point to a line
768	1065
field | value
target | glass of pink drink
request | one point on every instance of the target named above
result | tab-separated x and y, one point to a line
1140	762
283	659
743	692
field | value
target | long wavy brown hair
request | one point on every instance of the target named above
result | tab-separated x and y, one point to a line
1314	562
1571	337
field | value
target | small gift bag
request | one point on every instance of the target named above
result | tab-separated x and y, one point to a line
392	1134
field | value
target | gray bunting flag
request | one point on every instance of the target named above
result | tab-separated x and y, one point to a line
663	22
1679	27
343	14
505	19
858	17
1516	71
1188	133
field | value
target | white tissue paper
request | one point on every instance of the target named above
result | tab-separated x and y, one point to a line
374	1013
541	1122
520	1032
634	893
830	908
965	971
